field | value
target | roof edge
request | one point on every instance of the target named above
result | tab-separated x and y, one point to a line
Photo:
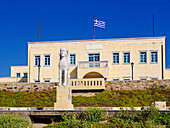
92	40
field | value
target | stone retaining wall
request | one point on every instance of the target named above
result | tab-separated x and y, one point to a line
137	84
28	87
110	85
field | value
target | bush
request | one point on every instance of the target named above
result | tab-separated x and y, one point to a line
163	119
150	113
13	121
149	118
67	116
93	114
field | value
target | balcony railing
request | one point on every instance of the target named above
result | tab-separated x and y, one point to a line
87	84
92	64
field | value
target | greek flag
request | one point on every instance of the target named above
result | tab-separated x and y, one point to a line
99	23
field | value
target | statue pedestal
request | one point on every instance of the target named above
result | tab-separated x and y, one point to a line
63	98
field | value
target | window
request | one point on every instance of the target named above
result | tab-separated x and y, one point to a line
115	58
37	61
47	60
115	79
47	80
93	58
36	81
125	79
142	57
154	78
126	57
143	78
18	75
25	75
154	57
72	59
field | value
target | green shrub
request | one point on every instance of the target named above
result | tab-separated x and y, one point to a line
70	124
163	119
150	113
92	114
68	116
13	121
149	118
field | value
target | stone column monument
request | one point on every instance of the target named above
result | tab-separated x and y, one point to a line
63	91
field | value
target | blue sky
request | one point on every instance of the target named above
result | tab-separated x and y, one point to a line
73	20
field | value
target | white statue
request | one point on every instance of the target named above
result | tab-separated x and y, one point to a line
64	66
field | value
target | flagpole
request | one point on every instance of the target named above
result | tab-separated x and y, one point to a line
38	32
93	29
153	25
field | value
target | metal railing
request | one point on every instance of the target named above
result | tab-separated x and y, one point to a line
92	64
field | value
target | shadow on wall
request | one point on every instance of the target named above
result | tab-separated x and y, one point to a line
23	79
93	75
73	74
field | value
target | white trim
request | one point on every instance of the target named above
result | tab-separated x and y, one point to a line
153	50
37	54
115	51
99	40
142	50
93	52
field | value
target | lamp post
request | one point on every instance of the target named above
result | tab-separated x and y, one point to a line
39	73
132	64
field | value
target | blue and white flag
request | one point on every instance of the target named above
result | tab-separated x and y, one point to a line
99	23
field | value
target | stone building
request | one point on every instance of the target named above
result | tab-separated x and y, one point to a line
111	59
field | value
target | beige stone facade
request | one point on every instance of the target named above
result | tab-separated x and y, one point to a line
19	69
101	58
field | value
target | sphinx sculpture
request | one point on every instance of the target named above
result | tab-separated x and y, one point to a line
63	93
64	66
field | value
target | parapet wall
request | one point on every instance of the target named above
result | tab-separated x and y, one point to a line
109	85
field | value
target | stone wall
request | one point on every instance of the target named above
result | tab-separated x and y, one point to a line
28	87
137	84
110	85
